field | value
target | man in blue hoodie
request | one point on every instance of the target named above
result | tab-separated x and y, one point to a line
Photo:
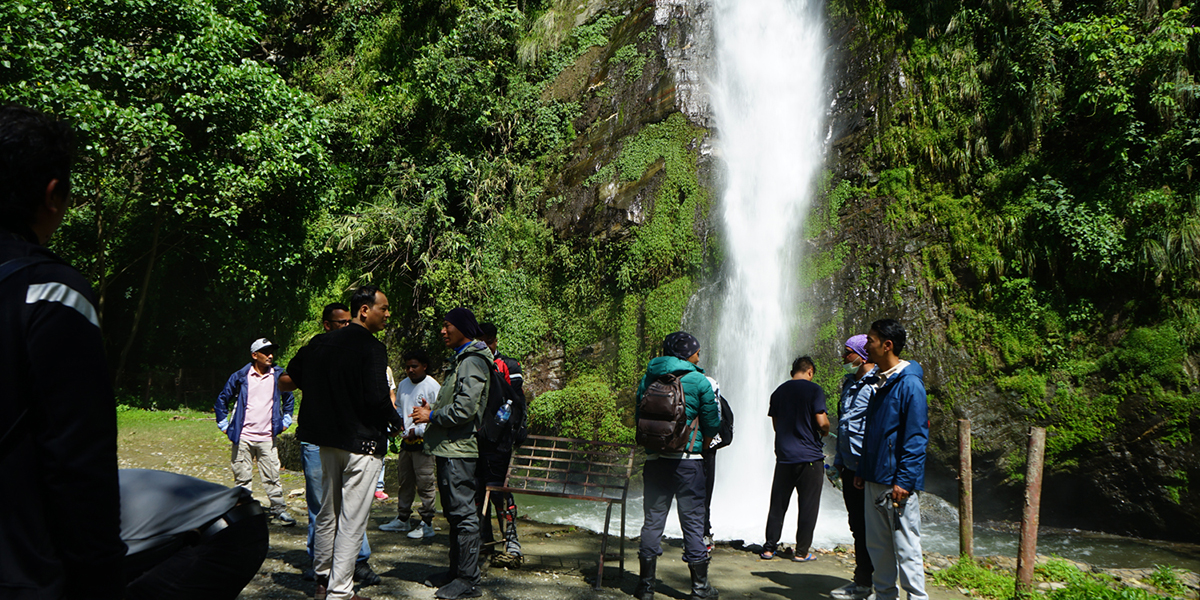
678	475
892	466
260	413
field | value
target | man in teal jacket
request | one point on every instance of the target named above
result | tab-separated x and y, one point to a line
679	475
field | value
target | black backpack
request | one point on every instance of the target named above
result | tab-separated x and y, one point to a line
662	416
503	436
726	433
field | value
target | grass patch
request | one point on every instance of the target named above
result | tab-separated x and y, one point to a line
980	581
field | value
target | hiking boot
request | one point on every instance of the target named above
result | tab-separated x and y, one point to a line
364	575
283	518
438	580
645	584
701	590
424	531
851	591
396	525
459	588
513	547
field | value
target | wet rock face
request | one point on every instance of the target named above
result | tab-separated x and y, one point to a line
1133	482
619	97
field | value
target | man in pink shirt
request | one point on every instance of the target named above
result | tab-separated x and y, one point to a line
260	412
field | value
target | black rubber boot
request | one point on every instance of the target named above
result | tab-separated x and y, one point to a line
645	586
701	590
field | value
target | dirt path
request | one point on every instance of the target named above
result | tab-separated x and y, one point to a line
560	560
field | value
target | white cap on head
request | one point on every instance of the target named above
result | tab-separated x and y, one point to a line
261	343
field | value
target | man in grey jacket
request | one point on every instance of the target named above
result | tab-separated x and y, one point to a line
450	439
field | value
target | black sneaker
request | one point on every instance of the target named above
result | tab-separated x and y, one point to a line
364	575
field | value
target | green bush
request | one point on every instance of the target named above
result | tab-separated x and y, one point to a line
586	409
1155	351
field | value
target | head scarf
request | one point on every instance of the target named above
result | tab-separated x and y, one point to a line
858	344
681	345
464	321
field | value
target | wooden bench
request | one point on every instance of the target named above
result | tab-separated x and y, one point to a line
574	469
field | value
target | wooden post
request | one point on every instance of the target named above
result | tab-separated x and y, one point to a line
966	512
1027	553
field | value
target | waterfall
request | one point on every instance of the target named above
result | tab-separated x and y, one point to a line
769	105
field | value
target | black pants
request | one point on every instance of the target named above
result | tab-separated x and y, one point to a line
491	470
216	568
456	485
683	480
854	498
710	478
805	478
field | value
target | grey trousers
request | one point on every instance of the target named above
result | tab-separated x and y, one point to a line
682	480
244	454
457	484
418	477
895	550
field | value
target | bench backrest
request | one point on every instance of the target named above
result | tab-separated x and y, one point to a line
571	468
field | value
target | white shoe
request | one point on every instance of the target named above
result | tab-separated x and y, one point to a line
851	591
424	531
396	525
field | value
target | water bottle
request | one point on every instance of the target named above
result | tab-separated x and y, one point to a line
504	413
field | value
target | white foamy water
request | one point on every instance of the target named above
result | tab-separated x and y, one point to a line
769	103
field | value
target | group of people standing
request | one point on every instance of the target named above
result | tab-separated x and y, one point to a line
882	435
351	408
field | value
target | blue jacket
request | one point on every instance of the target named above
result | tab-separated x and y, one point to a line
281	413
897	432
698	397
852	417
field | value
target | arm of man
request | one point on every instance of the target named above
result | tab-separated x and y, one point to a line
221	406
76	447
288	406
473	374
287	384
822	423
913	442
820	412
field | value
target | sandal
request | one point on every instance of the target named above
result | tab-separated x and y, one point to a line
767	555
808	558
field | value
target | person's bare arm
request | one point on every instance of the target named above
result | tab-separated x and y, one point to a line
286	384
823	423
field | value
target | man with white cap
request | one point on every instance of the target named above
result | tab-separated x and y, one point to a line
857	390
260	412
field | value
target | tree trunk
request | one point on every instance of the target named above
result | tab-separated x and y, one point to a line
142	295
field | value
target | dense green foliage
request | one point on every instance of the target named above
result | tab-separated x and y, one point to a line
985	581
248	162
1054	145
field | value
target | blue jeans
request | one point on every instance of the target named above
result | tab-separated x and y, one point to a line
310	458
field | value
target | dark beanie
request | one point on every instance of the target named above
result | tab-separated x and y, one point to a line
464	320
681	344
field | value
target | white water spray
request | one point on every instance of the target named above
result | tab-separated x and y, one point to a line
768	98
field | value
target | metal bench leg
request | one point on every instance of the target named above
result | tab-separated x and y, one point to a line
622	570
603	547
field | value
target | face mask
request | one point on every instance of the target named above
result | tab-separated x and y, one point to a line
850	368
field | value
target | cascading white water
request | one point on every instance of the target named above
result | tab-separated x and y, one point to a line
769	104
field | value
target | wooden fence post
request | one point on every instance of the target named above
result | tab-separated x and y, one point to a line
966	512
1027	554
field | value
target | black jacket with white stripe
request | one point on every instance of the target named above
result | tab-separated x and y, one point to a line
60	511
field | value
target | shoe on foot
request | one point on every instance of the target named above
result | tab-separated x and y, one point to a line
396	525
438	580
308	575
364	575
513	547
851	591
285	519
808	558
767	555
459	588
424	531
322	587
381	495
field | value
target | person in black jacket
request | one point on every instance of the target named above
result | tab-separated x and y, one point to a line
347	411
58	422
494	458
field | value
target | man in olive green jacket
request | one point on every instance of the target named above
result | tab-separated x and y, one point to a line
450	439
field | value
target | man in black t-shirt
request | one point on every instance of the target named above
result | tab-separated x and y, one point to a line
798	415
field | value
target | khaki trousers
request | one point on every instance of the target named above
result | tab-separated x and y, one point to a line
245	453
349	481
417	476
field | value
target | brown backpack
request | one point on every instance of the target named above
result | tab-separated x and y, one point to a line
662	417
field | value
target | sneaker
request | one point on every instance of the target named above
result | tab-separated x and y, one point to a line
381	495
851	591
396	525
364	575
424	531
284	518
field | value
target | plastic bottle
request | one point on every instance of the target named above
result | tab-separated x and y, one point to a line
504	413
